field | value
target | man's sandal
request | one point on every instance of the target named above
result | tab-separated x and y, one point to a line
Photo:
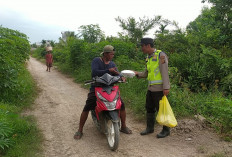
78	135
126	130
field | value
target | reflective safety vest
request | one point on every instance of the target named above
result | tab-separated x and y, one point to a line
154	75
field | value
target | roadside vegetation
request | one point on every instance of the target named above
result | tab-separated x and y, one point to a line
18	134
200	69
200	61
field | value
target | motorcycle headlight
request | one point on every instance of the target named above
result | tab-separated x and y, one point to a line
111	105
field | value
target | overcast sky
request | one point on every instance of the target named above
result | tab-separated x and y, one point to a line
46	19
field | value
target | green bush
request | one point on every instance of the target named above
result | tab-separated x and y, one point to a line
226	84
15	44
6	128
124	62
172	43
195	75
5	132
201	70
14	50
17	133
82	73
40	52
17	91
60	55
77	53
134	95
22	91
125	48
219	111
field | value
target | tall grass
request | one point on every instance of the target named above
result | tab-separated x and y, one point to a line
18	134
185	102
134	94
23	93
216	108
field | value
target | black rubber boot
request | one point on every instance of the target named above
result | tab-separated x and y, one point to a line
150	124
165	132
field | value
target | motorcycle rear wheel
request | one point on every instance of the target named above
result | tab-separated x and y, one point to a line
113	135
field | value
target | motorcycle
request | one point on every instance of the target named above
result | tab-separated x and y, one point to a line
106	115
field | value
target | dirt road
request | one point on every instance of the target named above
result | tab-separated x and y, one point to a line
57	110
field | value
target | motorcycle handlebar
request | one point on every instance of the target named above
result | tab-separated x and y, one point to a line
89	82
93	81
106	79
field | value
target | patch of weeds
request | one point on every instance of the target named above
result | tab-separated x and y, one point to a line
201	149
218	155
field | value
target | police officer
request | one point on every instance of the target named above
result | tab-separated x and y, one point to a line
158	83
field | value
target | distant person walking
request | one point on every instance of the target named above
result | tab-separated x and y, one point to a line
49	58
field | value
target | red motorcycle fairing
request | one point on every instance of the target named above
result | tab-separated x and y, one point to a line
113	100
109	97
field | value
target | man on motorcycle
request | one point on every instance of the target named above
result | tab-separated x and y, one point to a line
100	66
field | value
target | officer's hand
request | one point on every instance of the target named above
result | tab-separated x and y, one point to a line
136	73
166	92
123	79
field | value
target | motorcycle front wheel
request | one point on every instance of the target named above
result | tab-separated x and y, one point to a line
112	134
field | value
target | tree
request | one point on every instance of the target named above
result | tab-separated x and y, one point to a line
66	34
34	45
52	43
43	42
136	30
223	17
162	26
91	33
205	30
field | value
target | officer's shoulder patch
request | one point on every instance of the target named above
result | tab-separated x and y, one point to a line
154	58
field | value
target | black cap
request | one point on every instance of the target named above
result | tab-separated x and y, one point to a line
146	41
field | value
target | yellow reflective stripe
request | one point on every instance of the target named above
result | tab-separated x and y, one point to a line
154	82
156	71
